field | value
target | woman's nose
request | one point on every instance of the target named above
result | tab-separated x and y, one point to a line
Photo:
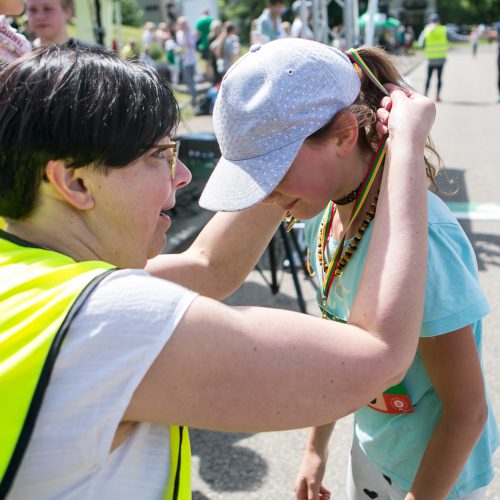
183	175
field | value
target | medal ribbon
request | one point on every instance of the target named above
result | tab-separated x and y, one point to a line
373	170
394	400
360	64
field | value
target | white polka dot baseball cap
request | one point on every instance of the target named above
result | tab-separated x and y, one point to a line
269	102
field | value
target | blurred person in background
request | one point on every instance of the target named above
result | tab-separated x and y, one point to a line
434	40
287	28
300	29
228	47
161	34
269	23
172	51
148	33
202	27
187	43
130	51
146	57
213	40
47	20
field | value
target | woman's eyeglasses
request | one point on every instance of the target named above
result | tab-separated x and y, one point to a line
174	146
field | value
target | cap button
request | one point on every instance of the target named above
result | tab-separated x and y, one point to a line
255	47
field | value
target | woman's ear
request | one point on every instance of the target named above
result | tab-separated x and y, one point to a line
70	184
347	134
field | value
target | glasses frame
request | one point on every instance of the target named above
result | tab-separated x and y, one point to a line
174	157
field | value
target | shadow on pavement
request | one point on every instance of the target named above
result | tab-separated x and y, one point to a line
486	246
197	495
225	465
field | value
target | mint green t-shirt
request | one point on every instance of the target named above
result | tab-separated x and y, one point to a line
453	300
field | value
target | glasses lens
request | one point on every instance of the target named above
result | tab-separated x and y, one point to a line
174	157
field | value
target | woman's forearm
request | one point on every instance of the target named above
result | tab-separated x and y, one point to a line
223	254
390	297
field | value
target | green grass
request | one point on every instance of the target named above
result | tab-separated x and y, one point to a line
128	33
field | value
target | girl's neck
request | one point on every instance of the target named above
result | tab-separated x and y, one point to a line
343	213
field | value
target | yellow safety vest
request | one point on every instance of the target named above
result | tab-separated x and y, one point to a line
436	42
41	292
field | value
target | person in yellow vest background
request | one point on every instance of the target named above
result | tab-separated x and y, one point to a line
103	365
434	40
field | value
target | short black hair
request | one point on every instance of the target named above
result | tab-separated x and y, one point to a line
86	106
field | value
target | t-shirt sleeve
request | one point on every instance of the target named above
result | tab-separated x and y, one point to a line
112	343
453	294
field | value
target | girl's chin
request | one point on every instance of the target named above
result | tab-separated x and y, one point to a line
307	213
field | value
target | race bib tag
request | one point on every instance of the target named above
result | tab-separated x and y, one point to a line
394	400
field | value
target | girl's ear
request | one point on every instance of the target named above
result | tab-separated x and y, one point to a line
347	135
70	184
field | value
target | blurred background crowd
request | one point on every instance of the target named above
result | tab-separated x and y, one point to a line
194	42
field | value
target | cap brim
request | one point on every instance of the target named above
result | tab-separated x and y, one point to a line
237	185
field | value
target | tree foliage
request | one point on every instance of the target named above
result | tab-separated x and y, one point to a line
469	11
131	13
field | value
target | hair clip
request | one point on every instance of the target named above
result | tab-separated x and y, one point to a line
358	69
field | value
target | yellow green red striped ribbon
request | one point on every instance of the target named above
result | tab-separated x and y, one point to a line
356	58
370	176
367	183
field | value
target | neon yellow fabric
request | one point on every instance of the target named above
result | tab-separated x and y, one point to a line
37	288
2	224
436	43
184	482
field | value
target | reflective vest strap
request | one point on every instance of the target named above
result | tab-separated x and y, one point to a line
43	382
179	481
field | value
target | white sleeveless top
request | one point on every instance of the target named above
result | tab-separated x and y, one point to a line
111	344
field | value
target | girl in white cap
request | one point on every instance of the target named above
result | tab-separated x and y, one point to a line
296	122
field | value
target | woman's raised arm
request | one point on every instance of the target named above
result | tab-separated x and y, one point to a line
257	369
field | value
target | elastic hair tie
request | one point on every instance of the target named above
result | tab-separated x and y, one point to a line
359	64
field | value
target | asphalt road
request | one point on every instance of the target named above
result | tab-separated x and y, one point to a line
466	133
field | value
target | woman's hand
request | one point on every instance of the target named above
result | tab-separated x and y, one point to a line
308	484
405	113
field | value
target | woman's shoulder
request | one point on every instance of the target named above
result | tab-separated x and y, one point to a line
132	291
